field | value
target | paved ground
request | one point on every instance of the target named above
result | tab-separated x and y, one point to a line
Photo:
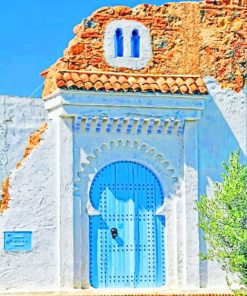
121	292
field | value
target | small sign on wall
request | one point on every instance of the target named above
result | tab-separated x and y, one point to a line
17	241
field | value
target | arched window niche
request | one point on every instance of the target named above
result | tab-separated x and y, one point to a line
119	43
135	44
127	44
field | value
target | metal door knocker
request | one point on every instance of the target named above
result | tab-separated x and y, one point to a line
114	232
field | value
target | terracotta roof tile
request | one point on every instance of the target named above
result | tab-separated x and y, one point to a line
113	79
104	78
108	86
84	78
118	82
88	85
179	81
75	76
183	89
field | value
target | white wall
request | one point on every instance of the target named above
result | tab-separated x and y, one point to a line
222	130
41	190
33	207
19	117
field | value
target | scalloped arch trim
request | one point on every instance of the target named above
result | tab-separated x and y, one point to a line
127	150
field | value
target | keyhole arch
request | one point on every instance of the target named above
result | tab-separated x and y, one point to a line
127	194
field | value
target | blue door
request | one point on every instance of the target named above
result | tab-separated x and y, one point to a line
127	239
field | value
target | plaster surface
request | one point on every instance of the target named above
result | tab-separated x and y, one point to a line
127	61
33	207
19	117
49	193
222	130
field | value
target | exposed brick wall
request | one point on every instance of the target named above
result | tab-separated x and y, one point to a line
187	39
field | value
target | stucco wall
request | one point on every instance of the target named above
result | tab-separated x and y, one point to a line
32	207
222	130
19	117
36	193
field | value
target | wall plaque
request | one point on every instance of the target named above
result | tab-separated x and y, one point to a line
17	241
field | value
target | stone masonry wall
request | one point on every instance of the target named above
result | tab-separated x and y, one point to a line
206	38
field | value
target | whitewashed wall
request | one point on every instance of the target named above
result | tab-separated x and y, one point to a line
19	117
39	186
33	207
222	130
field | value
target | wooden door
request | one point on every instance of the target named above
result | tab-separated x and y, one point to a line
127	239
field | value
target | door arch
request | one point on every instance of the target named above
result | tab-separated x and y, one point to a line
127	238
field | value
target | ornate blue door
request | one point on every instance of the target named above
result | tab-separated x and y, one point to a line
127	238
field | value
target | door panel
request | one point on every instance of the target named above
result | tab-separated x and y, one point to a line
127	195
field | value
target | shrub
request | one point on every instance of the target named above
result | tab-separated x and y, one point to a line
223	219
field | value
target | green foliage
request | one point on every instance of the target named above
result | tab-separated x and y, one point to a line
223	219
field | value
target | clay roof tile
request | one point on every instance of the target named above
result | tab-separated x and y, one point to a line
75	76
126	86
122	79
108	86
88	85
94	78
193	88
61	83
165	88
170	81
155	87
137	83
145	87
180	82
59	76
202	90
98	85
136	87
200	82
67	76
132	80
189	81
104	78
183	89
85	78
161	81
70	84
113	79
142	81
174	88
117	86
80	84
150	80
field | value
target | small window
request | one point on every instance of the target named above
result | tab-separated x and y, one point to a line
119	46
135	44
127	44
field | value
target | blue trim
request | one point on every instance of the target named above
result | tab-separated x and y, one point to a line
135	44
118	42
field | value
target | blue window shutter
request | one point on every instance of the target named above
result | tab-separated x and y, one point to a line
119	46
135	44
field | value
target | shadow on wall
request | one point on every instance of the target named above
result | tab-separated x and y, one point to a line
222	130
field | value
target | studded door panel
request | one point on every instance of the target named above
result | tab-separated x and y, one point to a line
127	195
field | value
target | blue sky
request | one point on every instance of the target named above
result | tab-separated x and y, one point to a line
33	35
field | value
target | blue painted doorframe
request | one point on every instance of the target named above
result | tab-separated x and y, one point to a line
127	195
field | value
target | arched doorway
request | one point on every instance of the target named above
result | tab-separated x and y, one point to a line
127	238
